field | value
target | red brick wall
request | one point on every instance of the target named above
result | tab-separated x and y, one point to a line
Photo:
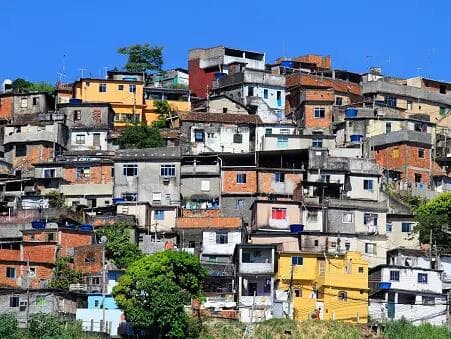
404	158
94	252
35	153
312	122
229	184
201	213
6	107
6	254
39	252
70	240
99	174
199	79
4	281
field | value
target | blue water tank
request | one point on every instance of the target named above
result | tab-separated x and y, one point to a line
287	63
296	228
118	200
356	137
38	224
219	75
384	285
86	227
75	101
351	112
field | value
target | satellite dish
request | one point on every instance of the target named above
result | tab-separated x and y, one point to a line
103	239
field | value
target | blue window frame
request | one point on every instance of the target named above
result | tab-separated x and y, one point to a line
368	185
159	214
241	178
279	177
422	278
297	260
406	227
388	227
317	142
394	275
199	135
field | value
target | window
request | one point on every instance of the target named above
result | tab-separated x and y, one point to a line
339	101
167	170
210	135
96	303
237	138
319	112
361	269
11	272
80	139
317	142
347	246
325	178
421	153
426	300
24	103
241	178
346	218
296	260
406	227
83	172
199	135
390	101
297	293
156	197
388	227
239	204
279	213
222	237
36	101
394	275
316	243
417	177
387	127
342	296
13	301
102	88
279	177
21	150
130	170
422	278
268	131
49	172
312	216
370	219
279	98
282	141
409	105
132	88
159	215
250	91
205	185
368	185
77	115
224	110
51	237
370	248
443	89
265	94
41	301
395	153
442	111
120	87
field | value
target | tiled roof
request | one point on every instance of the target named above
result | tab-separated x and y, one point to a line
224	118
309	80
203	222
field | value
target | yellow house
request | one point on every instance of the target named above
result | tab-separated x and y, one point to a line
178	99
123	90
333	287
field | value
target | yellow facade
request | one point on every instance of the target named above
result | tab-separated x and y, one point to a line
336	287
150	113
126	97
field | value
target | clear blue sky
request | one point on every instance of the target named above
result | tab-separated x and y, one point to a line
406	38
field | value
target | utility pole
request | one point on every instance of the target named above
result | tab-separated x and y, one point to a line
28	291
290	291
430	248
249	333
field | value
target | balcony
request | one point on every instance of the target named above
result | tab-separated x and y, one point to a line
402	136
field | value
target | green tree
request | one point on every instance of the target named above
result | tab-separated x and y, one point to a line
142	58
164	110
51	327
435	215
118	246
22	86
8	326
154	289
140	136
64	275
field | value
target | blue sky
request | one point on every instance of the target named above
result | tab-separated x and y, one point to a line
406	38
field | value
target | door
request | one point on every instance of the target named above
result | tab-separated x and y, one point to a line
96	139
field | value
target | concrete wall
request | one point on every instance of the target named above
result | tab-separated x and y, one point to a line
23	104
263	215
91	116
211	247
88	137
229	207
87	315
140	211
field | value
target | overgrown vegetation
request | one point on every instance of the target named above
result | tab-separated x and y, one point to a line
402	329
140	136
23	86
118	246
154	290
164	111
64	275
435	215
56	199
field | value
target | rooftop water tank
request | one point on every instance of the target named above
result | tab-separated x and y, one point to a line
356	137
287	63
38	224
351	112
296	228
86	227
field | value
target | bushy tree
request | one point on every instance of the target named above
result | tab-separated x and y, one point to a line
118	246
9	326
51	327
64	275
143	58
22	86
164	110
435	215
154	290
140	136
